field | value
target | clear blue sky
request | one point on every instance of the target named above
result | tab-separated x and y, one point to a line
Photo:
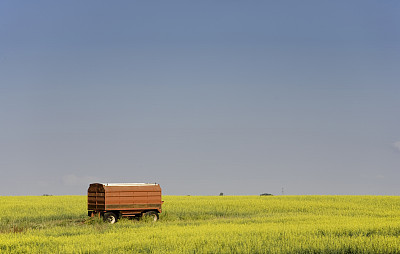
203	97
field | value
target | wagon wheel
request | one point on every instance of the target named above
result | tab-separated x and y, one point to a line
110	218
152	215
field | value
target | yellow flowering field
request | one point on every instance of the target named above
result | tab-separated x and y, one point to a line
207	224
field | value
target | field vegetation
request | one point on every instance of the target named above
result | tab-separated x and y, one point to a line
207	224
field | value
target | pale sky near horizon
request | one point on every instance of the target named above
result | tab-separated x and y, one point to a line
203	97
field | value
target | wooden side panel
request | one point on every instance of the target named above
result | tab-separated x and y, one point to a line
132	197
96	197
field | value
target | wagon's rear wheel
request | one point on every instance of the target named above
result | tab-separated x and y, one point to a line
151	215
110	217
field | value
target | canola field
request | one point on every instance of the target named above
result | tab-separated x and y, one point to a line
207	224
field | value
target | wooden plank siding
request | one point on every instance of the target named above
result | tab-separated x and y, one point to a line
124	198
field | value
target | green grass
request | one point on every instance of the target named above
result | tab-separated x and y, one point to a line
197	224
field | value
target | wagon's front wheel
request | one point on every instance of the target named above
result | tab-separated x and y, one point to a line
152	215
110	218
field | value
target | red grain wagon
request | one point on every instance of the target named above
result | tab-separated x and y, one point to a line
115	200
